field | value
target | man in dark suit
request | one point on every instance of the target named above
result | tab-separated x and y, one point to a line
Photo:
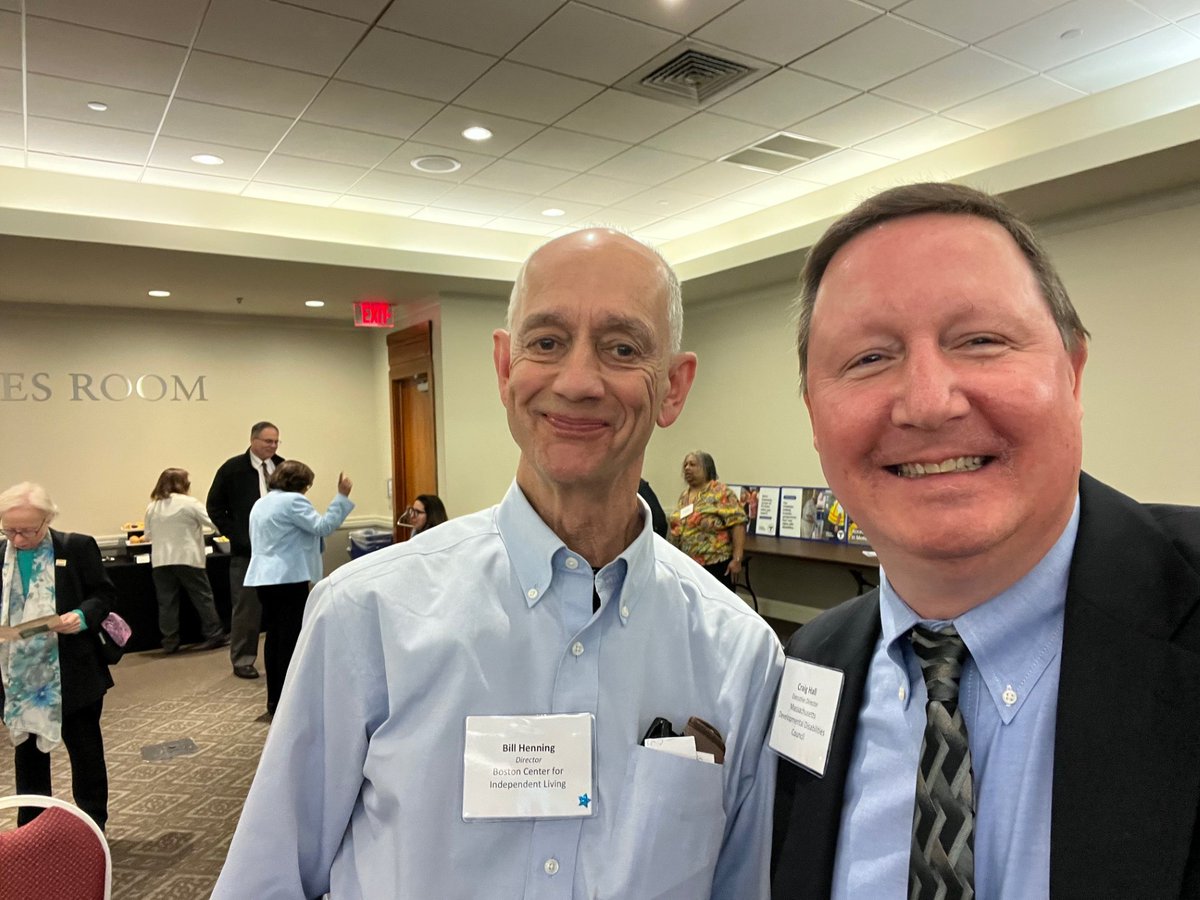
1017	706
235	488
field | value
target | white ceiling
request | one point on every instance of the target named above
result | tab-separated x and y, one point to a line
319	106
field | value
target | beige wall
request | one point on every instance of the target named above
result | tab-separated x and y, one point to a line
100	458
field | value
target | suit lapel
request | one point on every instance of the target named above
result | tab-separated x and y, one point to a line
1127	735
808	810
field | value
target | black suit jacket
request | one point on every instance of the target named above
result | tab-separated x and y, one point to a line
233	491
80	583
1126	795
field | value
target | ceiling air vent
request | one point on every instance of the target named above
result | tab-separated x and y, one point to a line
694	75
779	153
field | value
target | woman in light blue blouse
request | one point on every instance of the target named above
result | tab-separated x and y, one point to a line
286	535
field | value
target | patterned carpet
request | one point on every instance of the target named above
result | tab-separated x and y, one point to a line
170	821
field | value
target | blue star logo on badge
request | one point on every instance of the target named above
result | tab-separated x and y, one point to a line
584	800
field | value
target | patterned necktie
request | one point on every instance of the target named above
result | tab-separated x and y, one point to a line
266	476
942	860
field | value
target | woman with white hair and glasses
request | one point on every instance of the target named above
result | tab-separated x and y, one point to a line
53	681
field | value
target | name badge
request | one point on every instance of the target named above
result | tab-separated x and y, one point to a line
528	767
804	714
60	563
685	511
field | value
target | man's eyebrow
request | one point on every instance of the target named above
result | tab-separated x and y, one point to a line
542	320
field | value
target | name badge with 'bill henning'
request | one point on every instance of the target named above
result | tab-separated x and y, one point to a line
805	711
528	767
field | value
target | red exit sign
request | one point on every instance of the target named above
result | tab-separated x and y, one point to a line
373	314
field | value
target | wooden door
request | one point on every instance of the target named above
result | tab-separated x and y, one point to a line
414	437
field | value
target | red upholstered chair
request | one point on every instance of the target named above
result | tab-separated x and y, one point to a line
60	855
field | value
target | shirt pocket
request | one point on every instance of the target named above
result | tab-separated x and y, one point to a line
668	829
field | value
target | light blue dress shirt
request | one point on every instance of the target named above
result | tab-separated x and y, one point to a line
1009	697
359	791
285	537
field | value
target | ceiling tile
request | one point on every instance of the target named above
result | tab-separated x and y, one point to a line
193	181
522	226
595	189
716	180
919	137
309	173
1101	23
405	188
339	145
881	50
1191	24
718	212
525	93
623	116
383	207
1153	52
973	20
358	10
573	213
1175	10
622	218
278	34
645	166
401	161
670	229
473	24
286	194
10	91
63	98
177	153
588	43
233	127
567	149
1014	102
706	135
363	108
784	30
88	141
774	191
413	65
10	40
92	167
445	130
247	85
11	5
781	98
468	198
9	156
682	18
957	78
840	166
662	201
452	217
12	130
510	175
172	21
865	116
85	54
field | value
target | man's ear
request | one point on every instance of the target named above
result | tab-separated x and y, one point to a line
680	375
502	357
811	424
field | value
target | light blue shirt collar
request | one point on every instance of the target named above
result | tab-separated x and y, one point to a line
537	553
1012	637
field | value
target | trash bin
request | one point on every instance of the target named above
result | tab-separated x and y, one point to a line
366	540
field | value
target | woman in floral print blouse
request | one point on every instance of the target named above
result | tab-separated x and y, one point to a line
708	521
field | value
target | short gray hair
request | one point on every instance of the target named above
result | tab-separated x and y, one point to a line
28	494
674	290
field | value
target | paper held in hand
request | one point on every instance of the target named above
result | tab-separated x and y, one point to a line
23	630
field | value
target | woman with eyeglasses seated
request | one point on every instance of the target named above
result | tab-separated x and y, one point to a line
425	512
54	680
286	534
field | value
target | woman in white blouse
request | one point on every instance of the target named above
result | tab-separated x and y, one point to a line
175	526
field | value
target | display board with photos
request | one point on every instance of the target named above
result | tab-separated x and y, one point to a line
807	513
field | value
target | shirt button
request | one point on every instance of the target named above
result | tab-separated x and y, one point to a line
903	692
551	866
625	612
1009	696
531	593
572	562
577	649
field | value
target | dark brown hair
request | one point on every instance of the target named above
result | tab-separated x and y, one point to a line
291	475
435	510
933	197
171	481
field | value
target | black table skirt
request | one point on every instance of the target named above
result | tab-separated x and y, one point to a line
137	604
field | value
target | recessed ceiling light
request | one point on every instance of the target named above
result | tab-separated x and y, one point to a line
1070	34
208	159
314	304
439	164
97	106
159	293
554	212
476	133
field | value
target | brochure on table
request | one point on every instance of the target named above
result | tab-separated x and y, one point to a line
807	513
